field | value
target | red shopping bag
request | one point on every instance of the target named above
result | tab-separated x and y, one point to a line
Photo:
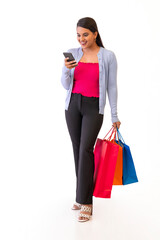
105	158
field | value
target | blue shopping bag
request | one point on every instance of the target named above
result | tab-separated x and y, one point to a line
129	172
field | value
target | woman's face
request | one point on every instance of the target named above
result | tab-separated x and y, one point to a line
85	37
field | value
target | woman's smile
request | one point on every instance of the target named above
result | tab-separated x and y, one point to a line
83	43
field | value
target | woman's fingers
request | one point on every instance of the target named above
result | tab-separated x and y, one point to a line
116	124
70	64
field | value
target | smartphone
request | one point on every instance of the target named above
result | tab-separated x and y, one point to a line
71	58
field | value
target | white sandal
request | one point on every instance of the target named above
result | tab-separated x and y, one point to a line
76	206
85	208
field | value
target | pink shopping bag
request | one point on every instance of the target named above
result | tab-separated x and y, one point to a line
105	158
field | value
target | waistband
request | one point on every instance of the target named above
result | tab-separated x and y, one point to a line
79	95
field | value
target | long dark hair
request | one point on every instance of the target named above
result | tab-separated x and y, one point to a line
90	24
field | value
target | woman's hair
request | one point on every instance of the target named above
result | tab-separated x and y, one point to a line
90	24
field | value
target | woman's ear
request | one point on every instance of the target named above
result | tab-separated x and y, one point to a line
96	34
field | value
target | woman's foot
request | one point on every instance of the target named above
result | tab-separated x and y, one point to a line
76	206
85	213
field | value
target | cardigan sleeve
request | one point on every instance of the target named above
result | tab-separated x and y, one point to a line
112	87
66	76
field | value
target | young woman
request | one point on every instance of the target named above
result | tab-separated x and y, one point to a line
87	79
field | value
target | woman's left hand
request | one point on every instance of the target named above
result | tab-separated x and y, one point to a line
116	125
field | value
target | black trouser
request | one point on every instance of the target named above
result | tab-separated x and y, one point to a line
84	123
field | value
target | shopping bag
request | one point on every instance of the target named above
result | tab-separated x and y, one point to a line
105	158
129	172
119	165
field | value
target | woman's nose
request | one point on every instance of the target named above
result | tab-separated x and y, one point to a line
82	39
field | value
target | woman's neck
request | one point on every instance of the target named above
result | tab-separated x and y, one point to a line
94	48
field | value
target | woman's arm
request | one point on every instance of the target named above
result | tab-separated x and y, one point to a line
66	77
66	73
112	87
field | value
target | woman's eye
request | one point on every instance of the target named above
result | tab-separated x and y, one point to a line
85	35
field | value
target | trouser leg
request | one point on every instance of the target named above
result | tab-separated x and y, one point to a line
91	125
74	121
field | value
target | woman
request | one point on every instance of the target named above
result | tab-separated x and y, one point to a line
87	79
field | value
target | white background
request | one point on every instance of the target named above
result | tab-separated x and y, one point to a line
37	175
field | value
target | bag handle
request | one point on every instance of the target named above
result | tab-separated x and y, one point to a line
114	131
120	142
116	137
108	132
120	136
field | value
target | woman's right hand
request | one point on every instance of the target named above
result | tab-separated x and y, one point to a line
69	65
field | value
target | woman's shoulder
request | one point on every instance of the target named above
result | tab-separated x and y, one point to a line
109	55
108	52
73	50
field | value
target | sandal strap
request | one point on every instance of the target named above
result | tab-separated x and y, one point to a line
86	209
84	215
77	204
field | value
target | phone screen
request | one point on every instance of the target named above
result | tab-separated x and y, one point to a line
71	58
67	54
